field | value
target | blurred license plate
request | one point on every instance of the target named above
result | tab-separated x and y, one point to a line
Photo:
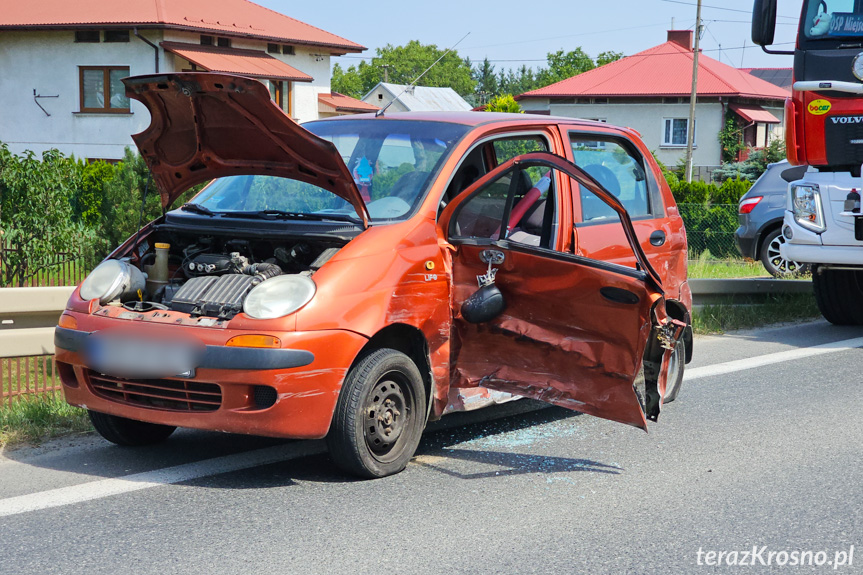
138	357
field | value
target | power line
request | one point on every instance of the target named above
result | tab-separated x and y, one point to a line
720	8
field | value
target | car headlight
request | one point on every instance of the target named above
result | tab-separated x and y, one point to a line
279	296
806	206
111	280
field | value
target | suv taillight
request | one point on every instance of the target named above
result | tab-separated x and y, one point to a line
748	204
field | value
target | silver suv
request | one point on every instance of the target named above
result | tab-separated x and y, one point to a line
760	214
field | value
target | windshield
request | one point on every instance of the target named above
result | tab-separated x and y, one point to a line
392	162
830	19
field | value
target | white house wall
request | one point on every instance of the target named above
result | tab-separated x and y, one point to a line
48	62
648	120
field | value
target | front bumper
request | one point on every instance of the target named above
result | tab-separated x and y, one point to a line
819	254
306	374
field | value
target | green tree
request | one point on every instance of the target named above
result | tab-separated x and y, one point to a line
608	57
87	198
517	81
36	217
563	65
347	82
402	65
486	81
121	207
503	103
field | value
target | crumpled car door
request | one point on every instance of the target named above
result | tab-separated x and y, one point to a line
574	330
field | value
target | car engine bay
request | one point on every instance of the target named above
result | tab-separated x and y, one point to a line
211	275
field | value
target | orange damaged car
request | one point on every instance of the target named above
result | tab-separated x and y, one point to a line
356	277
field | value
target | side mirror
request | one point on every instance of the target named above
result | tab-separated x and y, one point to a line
763	22
484	305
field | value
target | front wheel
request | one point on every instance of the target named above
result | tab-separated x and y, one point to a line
379	417
128	432
839	295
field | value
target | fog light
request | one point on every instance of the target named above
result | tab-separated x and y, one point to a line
265	396
787	232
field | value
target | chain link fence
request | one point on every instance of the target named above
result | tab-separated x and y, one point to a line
710	231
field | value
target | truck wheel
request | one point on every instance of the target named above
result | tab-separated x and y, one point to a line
676	366
379	417
128	432
774	263
839	294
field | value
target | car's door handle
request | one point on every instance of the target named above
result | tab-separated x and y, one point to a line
657	238
619	295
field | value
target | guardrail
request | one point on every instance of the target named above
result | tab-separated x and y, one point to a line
28	317
27	320
707	291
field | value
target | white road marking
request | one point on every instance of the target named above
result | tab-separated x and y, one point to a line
167	476
177	474
770	358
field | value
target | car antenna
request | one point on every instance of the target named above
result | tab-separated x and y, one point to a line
380	112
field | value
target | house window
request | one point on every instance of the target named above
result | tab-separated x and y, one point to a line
116	35
280	93
86	35
288	50
102	89
207	41
224	42
273	48
674	131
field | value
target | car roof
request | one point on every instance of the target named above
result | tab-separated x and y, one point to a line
472	118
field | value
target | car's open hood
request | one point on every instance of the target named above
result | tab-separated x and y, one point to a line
206	125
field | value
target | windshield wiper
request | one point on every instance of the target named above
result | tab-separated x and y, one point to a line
285	215
198	209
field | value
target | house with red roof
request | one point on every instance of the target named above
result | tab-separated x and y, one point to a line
650	92
62	64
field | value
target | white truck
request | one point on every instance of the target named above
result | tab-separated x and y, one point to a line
823	226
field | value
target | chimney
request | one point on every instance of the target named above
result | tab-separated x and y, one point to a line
681	38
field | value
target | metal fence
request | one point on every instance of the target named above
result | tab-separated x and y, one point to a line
64	269
36	375
27	376
710	231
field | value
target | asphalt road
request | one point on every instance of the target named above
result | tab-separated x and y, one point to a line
762	449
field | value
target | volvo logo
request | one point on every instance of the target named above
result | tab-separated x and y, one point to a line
847	119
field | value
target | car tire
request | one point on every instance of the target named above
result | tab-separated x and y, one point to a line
774	263
839	295
128	432
379	417
676	367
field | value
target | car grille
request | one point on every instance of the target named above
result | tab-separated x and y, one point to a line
843	142
165	394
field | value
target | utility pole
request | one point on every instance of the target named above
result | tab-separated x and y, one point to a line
690	127
386	68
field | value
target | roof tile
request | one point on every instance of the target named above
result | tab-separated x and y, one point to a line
238	17
664	70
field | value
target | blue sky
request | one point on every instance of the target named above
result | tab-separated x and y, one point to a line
514	33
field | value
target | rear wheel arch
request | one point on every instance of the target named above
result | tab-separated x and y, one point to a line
765	231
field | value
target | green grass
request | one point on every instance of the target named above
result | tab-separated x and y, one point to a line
756	312
33	420
717	269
